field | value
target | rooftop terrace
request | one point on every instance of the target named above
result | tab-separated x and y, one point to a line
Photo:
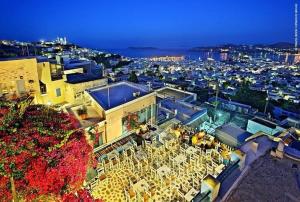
81	77
169	171
92	115
264	122
77	64
173	93
117	94
184	109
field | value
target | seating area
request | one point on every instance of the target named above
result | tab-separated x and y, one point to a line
116	145
172	171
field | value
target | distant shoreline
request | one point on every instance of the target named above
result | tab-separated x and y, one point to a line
142	48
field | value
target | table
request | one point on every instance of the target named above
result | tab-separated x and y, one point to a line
112	154
144	128
191	150
163	170
191	194
141	155
141	186
180	158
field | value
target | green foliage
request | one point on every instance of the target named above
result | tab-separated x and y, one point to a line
15	110
133	77
281	86
91	173
250	97
123	63
181	78
160	76
202	94
82	110
226	84
286	105
150	73
102	59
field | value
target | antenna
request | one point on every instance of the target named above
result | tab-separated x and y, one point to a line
108	100
27	50
296	27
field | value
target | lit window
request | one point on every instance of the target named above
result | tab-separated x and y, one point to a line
58	92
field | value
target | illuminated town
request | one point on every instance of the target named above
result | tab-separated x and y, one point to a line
145	124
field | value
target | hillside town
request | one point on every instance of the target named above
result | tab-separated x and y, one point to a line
166	128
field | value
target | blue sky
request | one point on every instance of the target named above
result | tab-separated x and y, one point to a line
159	23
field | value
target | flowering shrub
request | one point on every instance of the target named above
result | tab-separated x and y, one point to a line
45	154
79	196
130	121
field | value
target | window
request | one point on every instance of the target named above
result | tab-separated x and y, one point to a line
79	95
43	88
58	92
56	72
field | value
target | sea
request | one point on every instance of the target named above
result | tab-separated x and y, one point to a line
148	53
191	55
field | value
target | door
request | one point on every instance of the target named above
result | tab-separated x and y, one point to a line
20	87
101	138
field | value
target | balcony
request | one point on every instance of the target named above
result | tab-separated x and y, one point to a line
90	118
57	76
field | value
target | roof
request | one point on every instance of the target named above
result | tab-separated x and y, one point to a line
180	107
230	102
211	181
174	93
77	64
18	58
117	94
80	77
239	153
233	131
264	122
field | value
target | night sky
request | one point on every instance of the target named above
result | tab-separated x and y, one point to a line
158	23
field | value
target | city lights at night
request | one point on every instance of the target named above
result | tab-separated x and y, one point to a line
149	101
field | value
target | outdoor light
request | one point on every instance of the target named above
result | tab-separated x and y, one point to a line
169	115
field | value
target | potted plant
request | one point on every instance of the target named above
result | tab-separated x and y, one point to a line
82	112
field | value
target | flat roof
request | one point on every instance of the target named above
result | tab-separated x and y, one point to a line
77	64
171	92
264	122
231	129
181	108
117	94
234	131
230	102
81	77
38	58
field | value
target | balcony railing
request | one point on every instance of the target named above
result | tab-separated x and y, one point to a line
55	77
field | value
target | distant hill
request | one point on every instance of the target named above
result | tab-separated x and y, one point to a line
206	48
217	47
142	48
281	45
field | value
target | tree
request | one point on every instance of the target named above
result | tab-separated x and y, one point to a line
226	84
150	73
133	77
250	97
